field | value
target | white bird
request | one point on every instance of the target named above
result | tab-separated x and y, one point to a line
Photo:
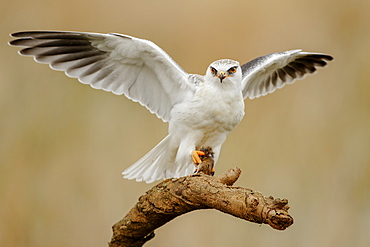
201	110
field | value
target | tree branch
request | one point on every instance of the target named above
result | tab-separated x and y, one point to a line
174	197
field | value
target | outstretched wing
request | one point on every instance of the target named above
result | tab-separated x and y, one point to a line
265	74
116	63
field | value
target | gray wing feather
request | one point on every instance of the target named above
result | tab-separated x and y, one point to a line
265	74
116	63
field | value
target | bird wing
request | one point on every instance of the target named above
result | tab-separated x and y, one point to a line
265	74
116	63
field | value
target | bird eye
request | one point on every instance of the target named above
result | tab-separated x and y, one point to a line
213	70
232	70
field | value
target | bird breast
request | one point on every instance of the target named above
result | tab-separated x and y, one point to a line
222	109
210	112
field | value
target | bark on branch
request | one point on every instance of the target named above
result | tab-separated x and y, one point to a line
174	197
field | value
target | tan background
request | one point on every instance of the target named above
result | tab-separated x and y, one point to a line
63	145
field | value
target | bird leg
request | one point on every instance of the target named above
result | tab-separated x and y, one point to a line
195	156
206	163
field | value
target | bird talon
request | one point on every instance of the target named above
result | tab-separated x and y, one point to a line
195	156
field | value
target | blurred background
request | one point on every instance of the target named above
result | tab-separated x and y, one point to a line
63	145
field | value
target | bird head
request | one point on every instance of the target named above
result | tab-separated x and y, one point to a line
224	71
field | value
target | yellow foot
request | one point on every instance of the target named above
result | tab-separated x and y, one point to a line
195	156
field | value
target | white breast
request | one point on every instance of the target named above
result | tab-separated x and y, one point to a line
222	109
209	116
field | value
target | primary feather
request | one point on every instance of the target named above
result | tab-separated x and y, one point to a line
115	63
265	74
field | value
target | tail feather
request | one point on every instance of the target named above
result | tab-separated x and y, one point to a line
182	169
138	169
156	164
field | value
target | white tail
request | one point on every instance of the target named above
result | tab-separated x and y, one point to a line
158	163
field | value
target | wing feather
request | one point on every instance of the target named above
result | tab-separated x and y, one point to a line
265	74
116	63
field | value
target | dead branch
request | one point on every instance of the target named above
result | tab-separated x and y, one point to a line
174	197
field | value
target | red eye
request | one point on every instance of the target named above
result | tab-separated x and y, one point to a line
232	70
213	70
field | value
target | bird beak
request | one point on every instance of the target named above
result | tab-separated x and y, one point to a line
221	75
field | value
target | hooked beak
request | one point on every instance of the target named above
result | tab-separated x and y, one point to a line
221	75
